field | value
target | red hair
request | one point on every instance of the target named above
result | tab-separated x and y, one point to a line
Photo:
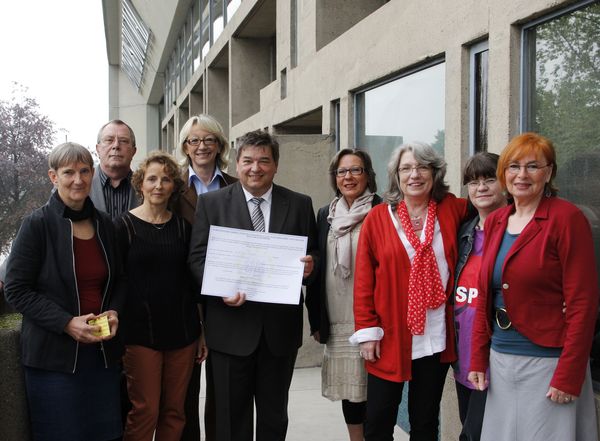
526	144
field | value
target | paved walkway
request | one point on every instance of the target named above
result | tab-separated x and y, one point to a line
312	417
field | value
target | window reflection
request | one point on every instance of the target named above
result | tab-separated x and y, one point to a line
478	136
196	36
217	21
563	103
410	108
232	6
205	24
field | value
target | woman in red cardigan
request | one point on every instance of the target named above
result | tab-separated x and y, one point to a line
538	253
405	262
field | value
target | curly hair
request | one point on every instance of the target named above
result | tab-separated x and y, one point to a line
171	169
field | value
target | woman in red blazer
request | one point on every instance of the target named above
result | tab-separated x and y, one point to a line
405	261
538	253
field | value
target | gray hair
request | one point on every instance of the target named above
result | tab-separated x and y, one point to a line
117	122
68	153
425	155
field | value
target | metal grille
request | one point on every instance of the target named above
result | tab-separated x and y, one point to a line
135	39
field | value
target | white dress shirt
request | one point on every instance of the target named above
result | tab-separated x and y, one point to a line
265	206
433	339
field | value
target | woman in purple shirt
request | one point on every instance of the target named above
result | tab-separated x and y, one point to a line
485	194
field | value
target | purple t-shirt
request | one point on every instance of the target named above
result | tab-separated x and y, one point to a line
465	305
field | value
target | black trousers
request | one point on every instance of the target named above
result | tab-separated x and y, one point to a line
424	395
471	406
262	379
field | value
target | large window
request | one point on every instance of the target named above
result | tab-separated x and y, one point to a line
408	108
204	23
561	84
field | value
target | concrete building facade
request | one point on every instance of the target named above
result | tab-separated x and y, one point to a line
464	76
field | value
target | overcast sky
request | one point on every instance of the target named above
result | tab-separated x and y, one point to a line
57	49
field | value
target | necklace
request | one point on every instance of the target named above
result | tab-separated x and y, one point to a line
416	222
159	226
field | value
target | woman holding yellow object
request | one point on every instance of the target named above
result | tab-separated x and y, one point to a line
63	272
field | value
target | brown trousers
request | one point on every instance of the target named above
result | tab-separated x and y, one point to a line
157	383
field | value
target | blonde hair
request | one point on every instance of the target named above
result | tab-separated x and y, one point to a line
208	124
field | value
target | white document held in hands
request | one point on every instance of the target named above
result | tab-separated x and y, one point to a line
265	266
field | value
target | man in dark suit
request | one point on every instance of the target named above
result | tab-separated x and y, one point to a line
253	346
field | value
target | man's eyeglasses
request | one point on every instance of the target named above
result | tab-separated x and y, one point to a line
110	141
354	171
531	168
208	141
486	182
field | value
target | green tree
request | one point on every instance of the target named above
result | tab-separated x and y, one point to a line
567	82
25	139
439	141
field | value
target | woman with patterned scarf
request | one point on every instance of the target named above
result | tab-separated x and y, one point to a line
330	299
405	262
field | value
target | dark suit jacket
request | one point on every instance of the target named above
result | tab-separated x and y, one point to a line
185	204
316	296
237	330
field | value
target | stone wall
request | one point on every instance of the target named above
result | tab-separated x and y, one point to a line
14	418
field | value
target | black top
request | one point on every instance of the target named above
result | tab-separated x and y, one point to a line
116	198
160	311
41	284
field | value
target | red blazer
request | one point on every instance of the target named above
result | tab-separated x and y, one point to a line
381	286
551	262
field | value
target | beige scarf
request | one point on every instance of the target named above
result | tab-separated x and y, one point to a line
343	220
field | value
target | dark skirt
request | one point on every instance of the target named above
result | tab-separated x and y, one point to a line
75	407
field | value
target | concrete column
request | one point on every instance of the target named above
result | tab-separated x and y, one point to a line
250	72
218	95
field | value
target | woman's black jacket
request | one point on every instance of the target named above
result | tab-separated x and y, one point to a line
41	285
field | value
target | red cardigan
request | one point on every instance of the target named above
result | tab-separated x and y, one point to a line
381	285
551	261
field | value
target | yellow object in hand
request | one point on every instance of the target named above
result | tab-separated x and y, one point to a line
103	323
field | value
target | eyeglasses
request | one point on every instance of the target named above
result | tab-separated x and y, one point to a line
208	141
111	140
354	171
421	169
531	168
486	182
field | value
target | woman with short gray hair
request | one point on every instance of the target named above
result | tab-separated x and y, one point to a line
65	278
